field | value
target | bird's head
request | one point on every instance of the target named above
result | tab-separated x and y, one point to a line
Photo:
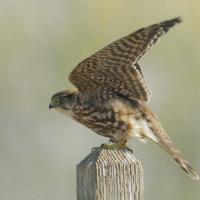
64	100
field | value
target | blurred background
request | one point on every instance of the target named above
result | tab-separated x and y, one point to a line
41	42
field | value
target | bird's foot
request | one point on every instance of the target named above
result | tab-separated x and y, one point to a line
119	145
103	146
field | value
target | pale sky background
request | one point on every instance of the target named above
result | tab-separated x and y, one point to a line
40	43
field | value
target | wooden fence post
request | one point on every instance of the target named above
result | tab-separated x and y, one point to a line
110	174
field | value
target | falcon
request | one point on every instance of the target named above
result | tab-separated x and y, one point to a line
112	97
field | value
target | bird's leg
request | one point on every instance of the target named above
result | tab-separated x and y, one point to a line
119	145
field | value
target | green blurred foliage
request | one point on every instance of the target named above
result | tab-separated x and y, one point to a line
41	41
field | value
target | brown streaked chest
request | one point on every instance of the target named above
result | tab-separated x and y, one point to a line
112	118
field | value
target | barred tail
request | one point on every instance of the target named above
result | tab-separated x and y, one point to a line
166	143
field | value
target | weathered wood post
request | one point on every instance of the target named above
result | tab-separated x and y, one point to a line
110	174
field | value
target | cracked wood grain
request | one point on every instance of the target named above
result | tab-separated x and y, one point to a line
110	174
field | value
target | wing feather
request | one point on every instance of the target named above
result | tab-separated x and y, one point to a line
115	67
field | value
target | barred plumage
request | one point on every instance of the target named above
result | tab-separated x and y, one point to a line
112	95
116	66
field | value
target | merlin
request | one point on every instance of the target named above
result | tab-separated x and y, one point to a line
112	97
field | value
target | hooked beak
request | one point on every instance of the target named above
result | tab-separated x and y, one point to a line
51	106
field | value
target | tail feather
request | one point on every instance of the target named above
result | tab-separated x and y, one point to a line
168	146
166	143
187	168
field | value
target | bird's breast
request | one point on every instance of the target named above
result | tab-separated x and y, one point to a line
115	119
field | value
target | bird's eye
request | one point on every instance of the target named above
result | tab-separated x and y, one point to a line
58	100
62	99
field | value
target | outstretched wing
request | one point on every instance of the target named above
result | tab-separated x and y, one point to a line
116	67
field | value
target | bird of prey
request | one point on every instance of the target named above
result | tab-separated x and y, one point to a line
112	97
